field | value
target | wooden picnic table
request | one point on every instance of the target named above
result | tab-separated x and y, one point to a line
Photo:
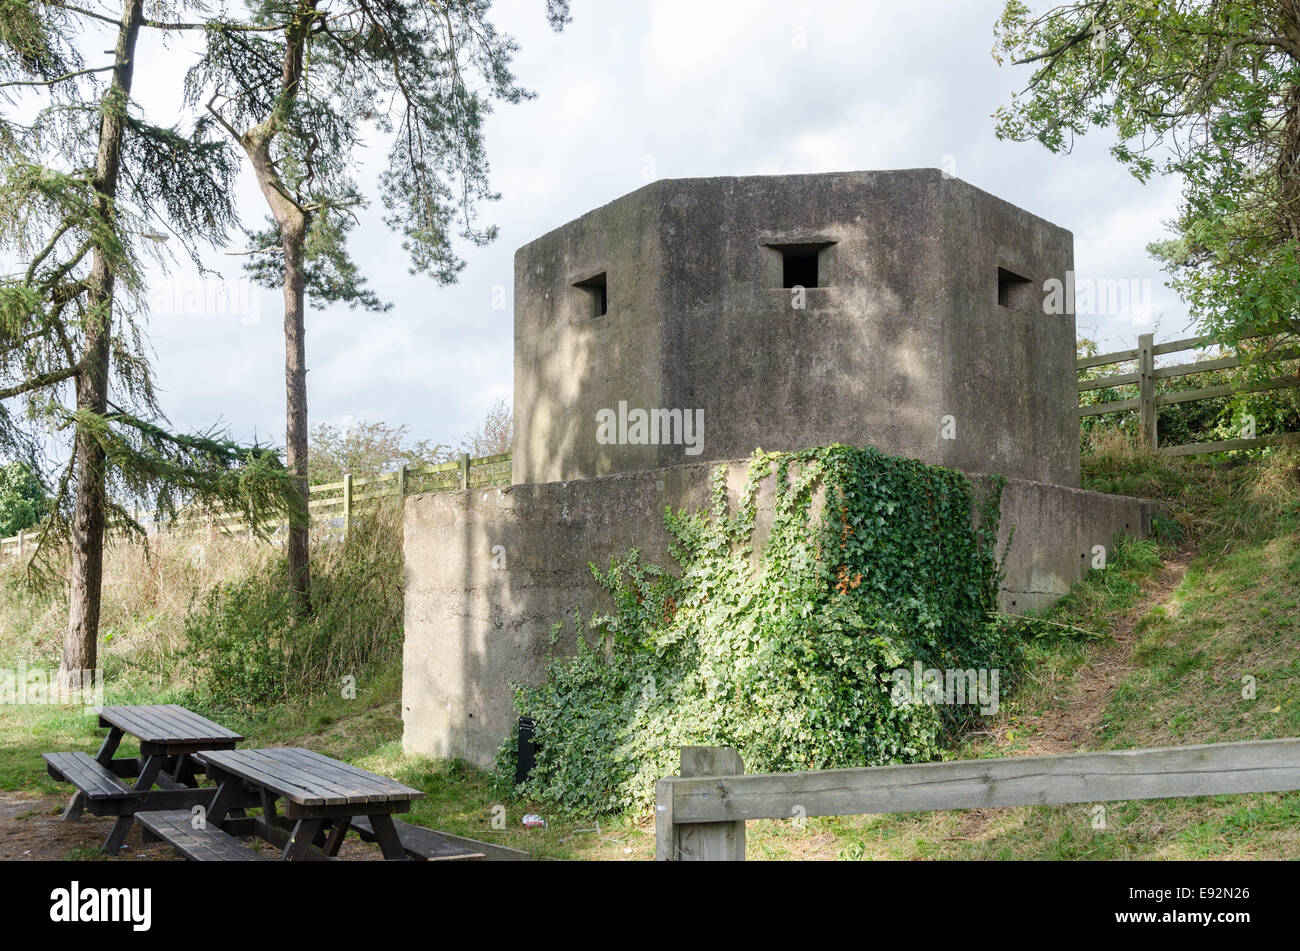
166	729
169	735
321	797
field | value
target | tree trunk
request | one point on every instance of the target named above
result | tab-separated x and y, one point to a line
293	238
293	222
86	561
1288	168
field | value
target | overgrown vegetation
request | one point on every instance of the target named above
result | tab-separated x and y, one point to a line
203	616
1234	520
1216	503
785	649
248	647
1232	614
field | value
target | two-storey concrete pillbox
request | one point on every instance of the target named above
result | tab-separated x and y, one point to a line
693	321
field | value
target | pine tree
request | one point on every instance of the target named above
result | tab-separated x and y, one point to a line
87	185
297	86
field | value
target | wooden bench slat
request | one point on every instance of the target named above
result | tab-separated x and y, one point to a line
172	725
138	722
327	773
166	724
421	843
390	788
176	726
124	719
333	791
201	727
83	771
153	727
307	778
369	786
208	844
158	717
237	764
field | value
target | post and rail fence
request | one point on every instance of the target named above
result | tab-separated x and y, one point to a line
341	499
700	815
1148	401
337	501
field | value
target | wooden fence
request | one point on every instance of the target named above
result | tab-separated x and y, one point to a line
1148	401
341	499
701	814
337	501
17	544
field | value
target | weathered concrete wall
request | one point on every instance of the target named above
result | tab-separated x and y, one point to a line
488	572
907	330
1055	531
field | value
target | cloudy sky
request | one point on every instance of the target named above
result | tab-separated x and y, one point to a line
630	92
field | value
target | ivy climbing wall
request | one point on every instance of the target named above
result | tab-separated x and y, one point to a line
772	567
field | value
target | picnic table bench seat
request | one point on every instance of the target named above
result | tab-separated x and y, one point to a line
97	781
161	778
207	844
421	843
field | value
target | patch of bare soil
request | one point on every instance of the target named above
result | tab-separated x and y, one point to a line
32	830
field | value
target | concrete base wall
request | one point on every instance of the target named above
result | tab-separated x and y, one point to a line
490	572
1053	531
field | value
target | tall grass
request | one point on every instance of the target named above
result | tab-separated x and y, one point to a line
248	648
206	615
1218	501
148	592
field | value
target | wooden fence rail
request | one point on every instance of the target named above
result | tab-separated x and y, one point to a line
1148	401
340	499
700	815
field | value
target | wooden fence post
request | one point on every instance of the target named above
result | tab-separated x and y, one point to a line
464	470
401	482
21	534
1147	391
699	841
347	503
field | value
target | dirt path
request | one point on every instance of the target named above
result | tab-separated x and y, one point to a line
1072	725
